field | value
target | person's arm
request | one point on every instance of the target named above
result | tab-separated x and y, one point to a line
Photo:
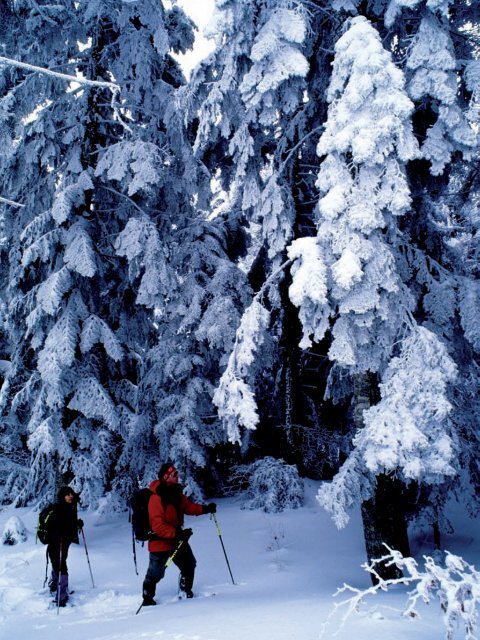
194	509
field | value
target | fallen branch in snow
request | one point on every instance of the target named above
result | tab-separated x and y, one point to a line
456	585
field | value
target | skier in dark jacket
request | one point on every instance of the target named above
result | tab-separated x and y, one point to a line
166	510
63	526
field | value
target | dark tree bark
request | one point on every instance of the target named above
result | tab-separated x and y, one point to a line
383	516
384	522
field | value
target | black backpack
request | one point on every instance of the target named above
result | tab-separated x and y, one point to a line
43	527
140	521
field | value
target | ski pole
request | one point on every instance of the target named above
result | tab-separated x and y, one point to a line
88	559
134	551
214	516
171	558
167	564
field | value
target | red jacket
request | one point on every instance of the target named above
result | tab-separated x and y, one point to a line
165	521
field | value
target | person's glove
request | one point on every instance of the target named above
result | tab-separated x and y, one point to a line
211	507
184	535
79	523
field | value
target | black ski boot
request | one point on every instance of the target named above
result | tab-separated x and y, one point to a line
184	587
148	592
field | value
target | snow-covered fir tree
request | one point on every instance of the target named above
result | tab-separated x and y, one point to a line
88	162
251	105
287	245
376	269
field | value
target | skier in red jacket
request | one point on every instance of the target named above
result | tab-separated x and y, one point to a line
166	510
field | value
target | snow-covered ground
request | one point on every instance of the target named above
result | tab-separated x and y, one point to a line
286	568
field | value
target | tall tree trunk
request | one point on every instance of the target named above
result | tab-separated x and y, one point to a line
383	516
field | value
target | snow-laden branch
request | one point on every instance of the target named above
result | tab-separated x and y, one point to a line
233	397
271	278
456	586
62	76
11	202
84	82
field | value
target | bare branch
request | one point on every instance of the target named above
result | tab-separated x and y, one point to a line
42	13
123	195
456	586
61	76
292	151
11	202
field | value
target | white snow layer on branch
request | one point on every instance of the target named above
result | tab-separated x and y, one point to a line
92	400
42	248
50	293
11	202
94	331
395	7
368	102
431	59
233	397
79	253
456	586
42	440
276	56
350	486
276	216
70	197
308	290
469	306
57	355
130	243
406	432
62	76
367	139
136	164
140	243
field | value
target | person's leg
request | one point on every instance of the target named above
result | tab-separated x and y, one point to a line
54	556
58	583
155	572
185	561
64	577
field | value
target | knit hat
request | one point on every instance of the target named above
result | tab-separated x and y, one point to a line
165	470
65	491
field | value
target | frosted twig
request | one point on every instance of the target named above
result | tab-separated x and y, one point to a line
272	277
456	586
42	13
62	76
84	82
292	151
123	195
11	202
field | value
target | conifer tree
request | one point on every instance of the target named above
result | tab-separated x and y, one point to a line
251	111
88	163
378	270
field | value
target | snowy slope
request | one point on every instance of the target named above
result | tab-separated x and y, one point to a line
286	566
